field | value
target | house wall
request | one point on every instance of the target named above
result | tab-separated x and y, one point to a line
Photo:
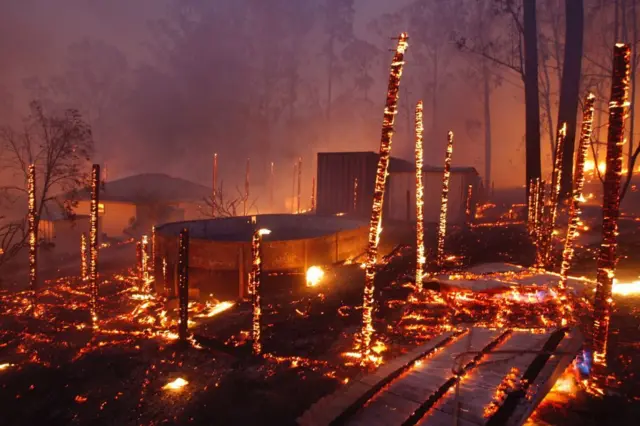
401	183
115	219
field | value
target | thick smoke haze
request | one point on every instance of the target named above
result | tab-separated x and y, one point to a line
166	83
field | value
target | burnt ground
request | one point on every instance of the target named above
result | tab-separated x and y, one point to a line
62	373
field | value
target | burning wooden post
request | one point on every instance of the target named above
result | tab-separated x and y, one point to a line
355	194
183	285
33	236
144	263
93	242
611	201
554	196
420	258
468	205
256	275
271	186
313	194
214	184
574	207
538	220
299	199
444	201
531	207
84	267
293	187
139	260
153	253
378	193
246	189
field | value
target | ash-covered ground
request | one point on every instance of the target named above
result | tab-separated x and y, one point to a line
55	369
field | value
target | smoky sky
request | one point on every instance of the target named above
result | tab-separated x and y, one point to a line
167	83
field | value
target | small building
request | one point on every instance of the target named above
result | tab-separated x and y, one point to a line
132	205
346	183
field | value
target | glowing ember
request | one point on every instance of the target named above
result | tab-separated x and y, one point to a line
355	194
313	194
5	366
420	258
183	283
442	226
574	208
314	275
378	194
611	202
176	385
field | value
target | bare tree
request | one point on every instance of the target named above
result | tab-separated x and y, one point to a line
60	145
224	206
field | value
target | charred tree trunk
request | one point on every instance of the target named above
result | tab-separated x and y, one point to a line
531	94
570	86
487	125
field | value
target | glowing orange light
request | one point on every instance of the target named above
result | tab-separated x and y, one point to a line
378	193
554	196
313	194
314	275
444	201
420	257
618	106
84	264
176	385
355	194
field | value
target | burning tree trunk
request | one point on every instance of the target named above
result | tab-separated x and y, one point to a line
183	284
144	263
467	210
554	196
246	189
299	198
33	236
84	268
355	194
611	201
531	208
153	253
256	275
293	187
574	207
271	186
215	184
93	242
139	260
420	259
442	226
378	193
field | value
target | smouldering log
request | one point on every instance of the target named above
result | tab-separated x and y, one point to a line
33	236
255	276
378	193
84	264
93	242
214	184
420	258
574	207
554	196
618	106
444	201
183	285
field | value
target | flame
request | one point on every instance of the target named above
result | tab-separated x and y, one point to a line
420	257
93	242
442	226
314	275
33	234
626	289
176	385
5	366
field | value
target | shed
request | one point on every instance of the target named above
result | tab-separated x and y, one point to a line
346	182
